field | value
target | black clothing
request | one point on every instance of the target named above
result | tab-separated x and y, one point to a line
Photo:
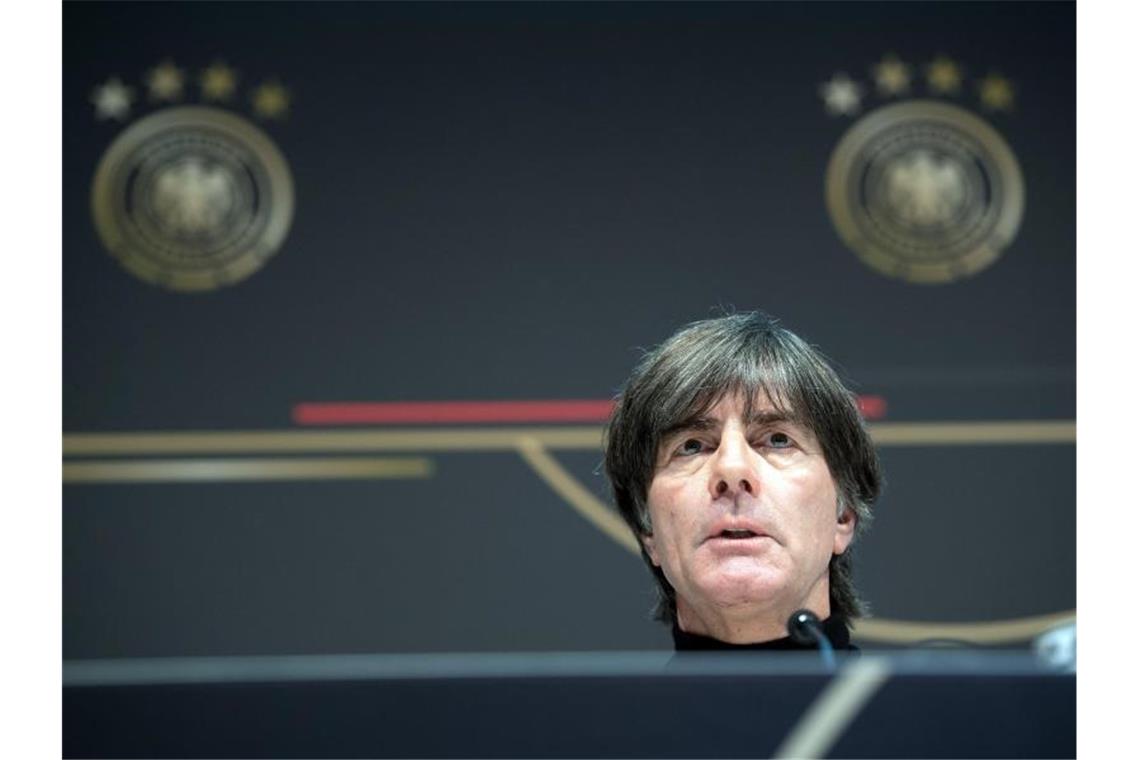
834	627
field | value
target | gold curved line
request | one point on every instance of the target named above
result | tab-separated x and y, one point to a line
506	438
980	632
880	630
533	448
583	502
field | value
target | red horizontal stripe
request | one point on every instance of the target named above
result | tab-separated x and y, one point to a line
453	412
872	407
449	412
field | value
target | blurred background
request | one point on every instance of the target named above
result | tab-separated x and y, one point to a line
348	289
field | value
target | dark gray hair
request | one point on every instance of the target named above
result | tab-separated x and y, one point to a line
749	354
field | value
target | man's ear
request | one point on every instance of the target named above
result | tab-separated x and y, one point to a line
650	545
844	530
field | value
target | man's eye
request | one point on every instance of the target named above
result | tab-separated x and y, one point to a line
690	447
779	440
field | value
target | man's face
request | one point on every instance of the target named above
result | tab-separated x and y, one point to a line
744	514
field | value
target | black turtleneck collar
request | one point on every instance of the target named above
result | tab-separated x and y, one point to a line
834	627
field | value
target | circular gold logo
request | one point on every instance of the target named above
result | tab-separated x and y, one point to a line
192	198
925	191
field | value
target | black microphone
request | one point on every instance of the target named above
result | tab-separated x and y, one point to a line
805	629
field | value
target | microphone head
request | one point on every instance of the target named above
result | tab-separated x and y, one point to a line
800	626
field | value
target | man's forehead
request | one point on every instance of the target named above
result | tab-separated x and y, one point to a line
752	409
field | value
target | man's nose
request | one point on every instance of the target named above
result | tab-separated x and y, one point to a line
734	469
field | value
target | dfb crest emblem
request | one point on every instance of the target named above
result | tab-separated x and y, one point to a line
922	189
192	198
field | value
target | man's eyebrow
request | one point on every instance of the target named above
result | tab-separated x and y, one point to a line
698	423
769	416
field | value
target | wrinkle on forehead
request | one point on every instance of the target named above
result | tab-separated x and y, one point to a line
759	406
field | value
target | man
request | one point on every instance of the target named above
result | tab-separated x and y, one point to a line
745	470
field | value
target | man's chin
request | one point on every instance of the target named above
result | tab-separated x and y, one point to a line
730	590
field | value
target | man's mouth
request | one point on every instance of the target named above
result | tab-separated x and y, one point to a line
731	536
737	533
737	530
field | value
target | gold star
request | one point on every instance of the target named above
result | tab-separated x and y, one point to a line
218	82
271	101
996	92
892	76
943	75
841	95
165	82
112	99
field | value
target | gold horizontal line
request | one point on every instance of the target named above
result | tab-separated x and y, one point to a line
215	470
973	433
249	441
507	438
